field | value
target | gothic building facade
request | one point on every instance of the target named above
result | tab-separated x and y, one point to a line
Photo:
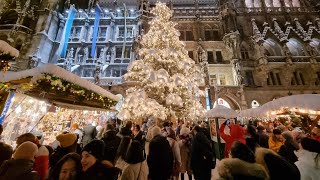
251	51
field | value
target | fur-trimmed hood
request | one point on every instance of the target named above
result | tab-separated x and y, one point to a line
276	166
233	167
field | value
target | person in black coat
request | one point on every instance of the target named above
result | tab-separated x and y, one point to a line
92	166
263	138
253	138
112	142
138	135
288	148
201	155
160	157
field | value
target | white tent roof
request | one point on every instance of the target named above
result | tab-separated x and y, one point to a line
309	102
221	111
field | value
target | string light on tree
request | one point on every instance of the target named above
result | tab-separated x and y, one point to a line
167	79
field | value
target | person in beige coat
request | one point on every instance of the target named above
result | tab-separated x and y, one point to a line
137	167
185	152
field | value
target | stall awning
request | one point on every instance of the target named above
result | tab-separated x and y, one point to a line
58	86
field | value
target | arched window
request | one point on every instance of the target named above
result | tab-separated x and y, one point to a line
272	47
244	53
295	47
222	102
255	104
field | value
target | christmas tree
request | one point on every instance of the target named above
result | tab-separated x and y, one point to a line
166	79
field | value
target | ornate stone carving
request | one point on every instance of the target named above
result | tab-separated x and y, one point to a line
228	16
278	30
232	41
257	36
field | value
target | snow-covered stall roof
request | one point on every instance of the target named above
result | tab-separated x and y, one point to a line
7	49
222	111
40	73
300	102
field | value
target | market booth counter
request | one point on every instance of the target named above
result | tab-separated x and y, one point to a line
50	86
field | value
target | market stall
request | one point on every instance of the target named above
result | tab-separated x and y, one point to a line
301	110
48	98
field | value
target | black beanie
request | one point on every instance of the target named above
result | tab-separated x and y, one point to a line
311	145
95	148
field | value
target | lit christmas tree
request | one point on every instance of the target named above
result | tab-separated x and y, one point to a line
167	80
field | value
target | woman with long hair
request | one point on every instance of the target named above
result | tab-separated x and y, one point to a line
68	168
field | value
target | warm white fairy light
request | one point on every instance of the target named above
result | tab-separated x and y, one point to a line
167	78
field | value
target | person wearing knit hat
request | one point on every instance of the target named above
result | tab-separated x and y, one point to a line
275	140
309	159
21	166
6	152
41	164
68	144
92	166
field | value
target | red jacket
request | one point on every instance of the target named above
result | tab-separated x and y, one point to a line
41	163
236	134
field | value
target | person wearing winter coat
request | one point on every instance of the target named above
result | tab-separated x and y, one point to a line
138	134
6	152
263	137
185	152
171	138
68	168
89	133
78	131
21	166
92	166
288	148
41	163
309	159
236	134
252	137
68	144
112	142
137	167
126	130
277	167
201	155
150	125
276	140
160	157
240	165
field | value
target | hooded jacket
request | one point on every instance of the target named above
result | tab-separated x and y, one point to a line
236	134
307	166
277	167
112	142
234	168
18	169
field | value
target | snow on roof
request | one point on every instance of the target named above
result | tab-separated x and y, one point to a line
7	49
54	70
222	111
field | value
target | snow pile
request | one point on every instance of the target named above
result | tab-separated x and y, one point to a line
7	49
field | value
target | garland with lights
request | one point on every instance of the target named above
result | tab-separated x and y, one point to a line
5	61
50	84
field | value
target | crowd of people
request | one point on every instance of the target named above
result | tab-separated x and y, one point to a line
163	151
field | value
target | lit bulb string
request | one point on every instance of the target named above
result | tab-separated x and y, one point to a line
15	108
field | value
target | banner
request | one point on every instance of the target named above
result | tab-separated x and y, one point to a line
62	50
6	107
95	30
